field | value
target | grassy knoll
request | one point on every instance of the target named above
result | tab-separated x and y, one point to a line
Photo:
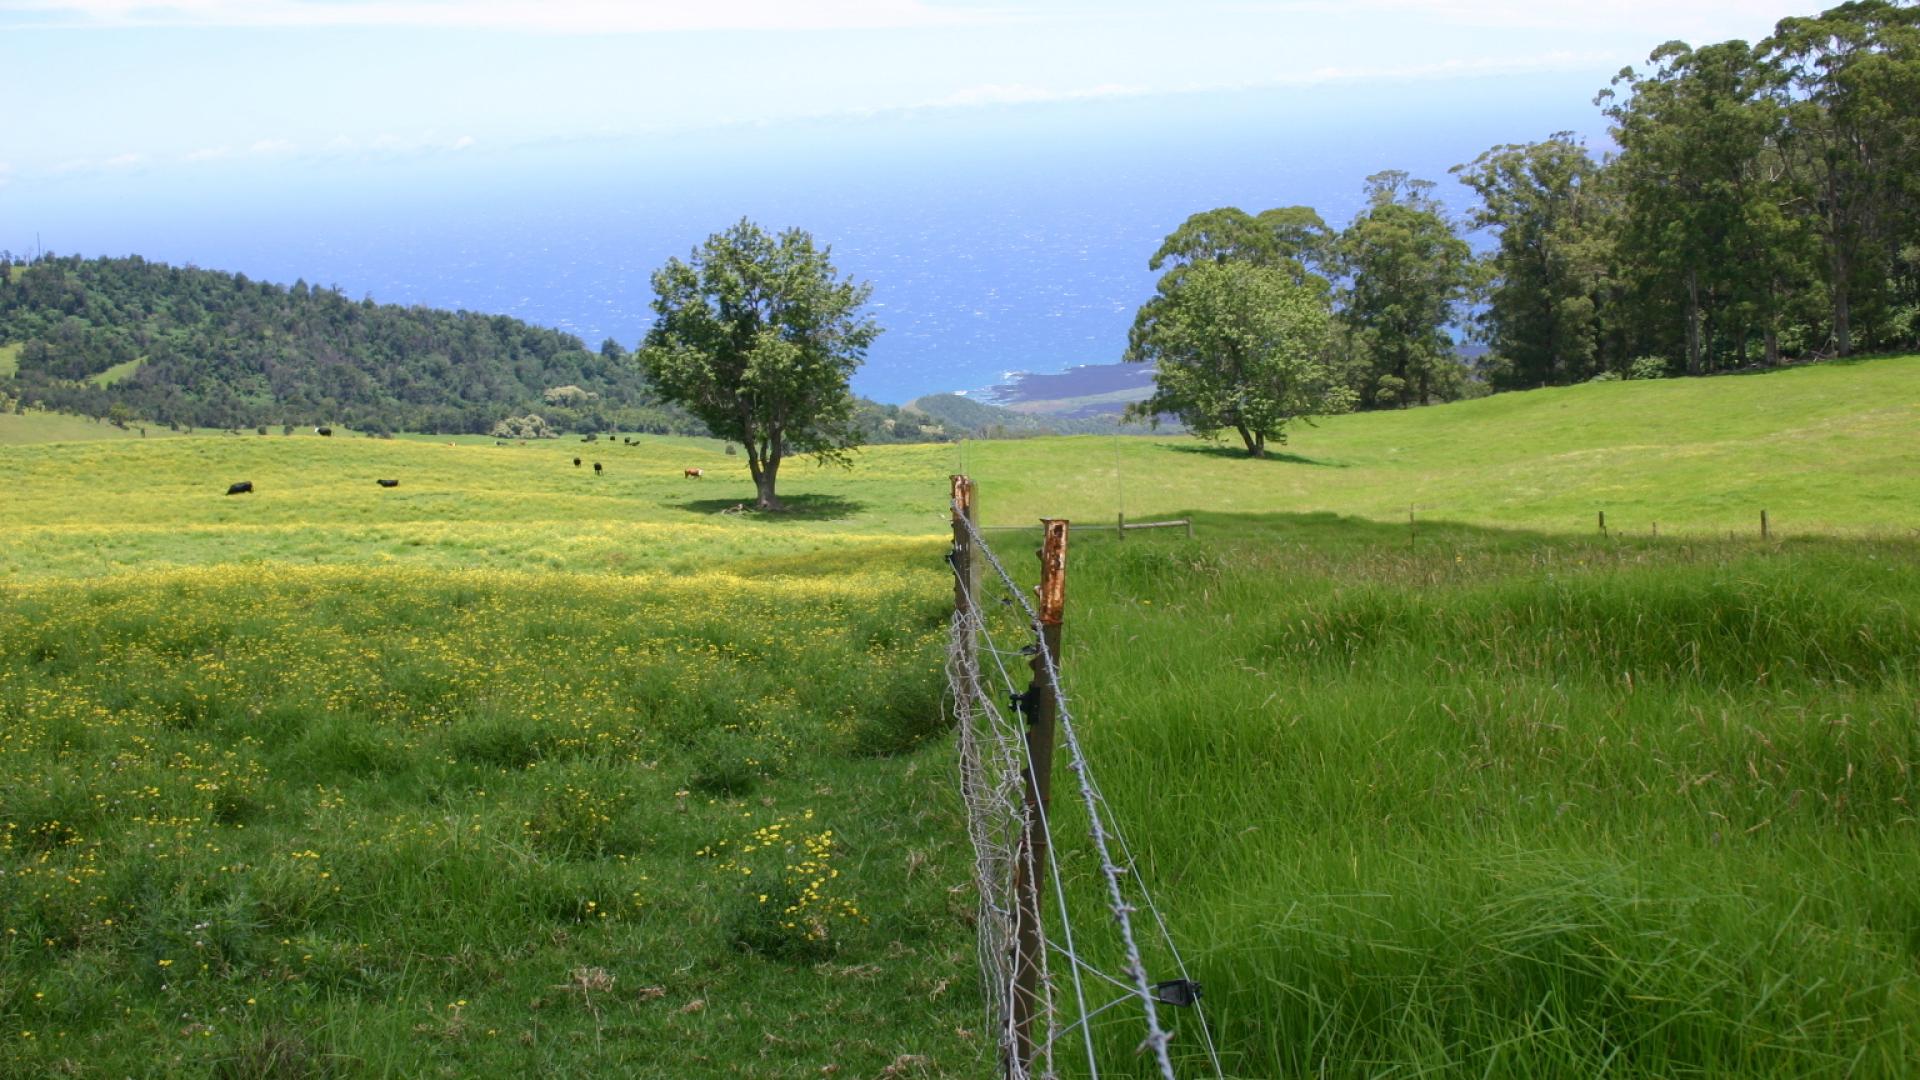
1822	448
117	372
491	772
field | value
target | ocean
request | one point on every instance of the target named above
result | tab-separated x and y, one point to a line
998	239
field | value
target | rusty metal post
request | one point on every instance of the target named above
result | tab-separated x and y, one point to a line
1042	708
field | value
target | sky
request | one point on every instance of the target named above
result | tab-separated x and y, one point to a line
121	90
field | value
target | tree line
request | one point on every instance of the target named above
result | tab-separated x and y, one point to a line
207	349
1760	202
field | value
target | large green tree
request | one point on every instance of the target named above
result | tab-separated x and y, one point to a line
757	335
1407	271
1550	213
1704	234
1289	238
1852	143
1237	346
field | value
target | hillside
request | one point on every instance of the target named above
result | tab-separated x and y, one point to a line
966	417
202	348
1823	447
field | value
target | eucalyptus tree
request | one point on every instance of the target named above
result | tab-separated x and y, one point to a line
1406	272
758	336
1546	279
1705	232
1237	345
1851	77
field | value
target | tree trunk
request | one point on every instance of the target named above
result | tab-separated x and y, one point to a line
1842	312
764	475
1256	441
1693	322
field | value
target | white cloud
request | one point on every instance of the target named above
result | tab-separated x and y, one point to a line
1026	94
548	16
1661	19
124	161
271	148
463	142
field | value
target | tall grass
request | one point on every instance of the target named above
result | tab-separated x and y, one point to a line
1522	809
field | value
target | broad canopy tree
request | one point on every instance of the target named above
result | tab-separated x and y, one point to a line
1237	345
758	336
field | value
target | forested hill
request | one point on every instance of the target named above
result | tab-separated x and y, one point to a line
171	345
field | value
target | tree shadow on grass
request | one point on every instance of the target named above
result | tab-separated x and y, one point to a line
800	508
1240	454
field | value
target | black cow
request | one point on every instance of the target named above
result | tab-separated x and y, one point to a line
323	431
388	483
596	468
244	487
576	463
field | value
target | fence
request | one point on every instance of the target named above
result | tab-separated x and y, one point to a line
1036	942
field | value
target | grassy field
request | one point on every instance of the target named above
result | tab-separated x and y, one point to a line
117	372
515	768
35	428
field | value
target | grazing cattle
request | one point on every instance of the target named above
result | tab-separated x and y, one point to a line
694	474
388	483
596	468
244	487
576	463
323	431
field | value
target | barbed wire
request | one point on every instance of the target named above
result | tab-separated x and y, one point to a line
996	768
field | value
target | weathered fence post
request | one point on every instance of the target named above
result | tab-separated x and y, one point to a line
966	588
1120	525
1763	525
1603	523
1040	708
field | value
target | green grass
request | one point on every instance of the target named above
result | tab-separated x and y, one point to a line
1822	449
10	360
34	427
461	777
117	372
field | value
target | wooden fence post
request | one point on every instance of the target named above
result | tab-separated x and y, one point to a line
1120	525
1763	525
966	585
1042	706
1603	523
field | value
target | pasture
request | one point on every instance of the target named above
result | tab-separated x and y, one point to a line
513	767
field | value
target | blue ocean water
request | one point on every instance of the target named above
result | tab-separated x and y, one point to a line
997	239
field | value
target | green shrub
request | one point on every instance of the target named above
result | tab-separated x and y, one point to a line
1647	367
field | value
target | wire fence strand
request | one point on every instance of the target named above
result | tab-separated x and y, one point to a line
996	770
